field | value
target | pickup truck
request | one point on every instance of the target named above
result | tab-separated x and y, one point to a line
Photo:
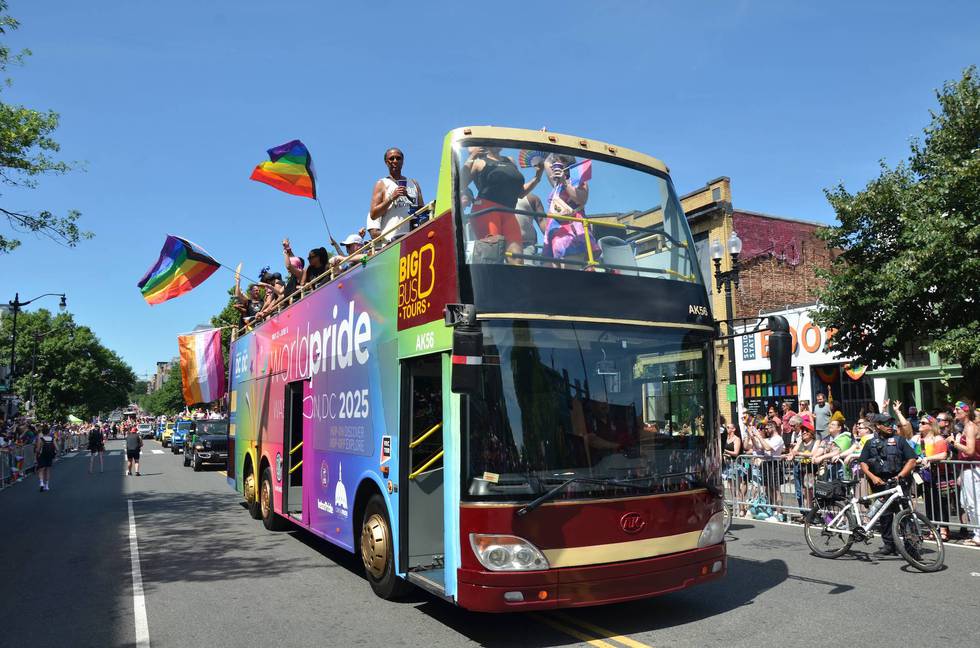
207	444
145	430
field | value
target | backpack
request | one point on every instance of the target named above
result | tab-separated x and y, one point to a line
48	451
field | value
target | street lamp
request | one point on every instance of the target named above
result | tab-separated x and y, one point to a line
15	307
728	278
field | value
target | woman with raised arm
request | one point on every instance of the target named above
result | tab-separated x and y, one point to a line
968	449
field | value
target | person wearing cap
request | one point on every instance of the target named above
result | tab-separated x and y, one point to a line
968	449
352	244
886	456
804	448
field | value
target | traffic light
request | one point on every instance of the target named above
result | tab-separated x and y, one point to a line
780	350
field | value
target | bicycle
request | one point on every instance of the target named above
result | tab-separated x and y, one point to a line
831	526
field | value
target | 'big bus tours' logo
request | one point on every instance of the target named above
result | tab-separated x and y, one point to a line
426	274
416	279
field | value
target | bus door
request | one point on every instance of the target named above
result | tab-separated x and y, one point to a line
292	495
421	546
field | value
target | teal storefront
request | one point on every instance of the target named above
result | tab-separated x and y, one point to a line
921	378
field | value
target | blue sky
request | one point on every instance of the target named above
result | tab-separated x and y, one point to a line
170	105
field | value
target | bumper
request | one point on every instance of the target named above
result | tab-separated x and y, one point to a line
209	456
483	591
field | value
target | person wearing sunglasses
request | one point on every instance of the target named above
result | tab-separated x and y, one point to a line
395	199
933	449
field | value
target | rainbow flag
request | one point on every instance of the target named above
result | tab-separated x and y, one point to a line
182	266
289	169
202	366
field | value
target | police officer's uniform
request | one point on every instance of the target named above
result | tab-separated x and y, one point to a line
885	457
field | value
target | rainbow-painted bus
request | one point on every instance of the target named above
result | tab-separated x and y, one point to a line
509	423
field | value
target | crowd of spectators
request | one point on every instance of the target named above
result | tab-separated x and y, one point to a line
766	452
396	208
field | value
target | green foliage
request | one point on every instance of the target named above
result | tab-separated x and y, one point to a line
73	373
26	145
169	399
908	267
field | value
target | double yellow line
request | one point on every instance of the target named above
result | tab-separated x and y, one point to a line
587	632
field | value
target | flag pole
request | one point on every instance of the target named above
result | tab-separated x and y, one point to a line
323	215
216	261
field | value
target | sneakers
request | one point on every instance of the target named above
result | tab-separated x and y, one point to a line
46	487
139	474
40	488
129	473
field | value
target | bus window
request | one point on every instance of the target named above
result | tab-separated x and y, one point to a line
571	212
560	400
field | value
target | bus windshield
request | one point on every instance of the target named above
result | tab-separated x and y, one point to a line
560	400
550	209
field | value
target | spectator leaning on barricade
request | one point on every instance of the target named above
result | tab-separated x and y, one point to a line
802	455
967	450
932	449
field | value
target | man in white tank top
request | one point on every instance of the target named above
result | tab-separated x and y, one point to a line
394	199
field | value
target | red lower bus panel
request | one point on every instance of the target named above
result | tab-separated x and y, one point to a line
483	591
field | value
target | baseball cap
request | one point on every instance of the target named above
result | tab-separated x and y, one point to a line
807	421
882	419
352	239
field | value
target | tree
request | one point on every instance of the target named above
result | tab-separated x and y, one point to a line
169	399
26	146
65	368
908	269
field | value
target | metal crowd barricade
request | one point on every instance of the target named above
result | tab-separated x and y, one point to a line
765	488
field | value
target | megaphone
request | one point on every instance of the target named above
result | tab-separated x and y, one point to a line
780	350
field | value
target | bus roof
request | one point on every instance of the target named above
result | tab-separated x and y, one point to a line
548	138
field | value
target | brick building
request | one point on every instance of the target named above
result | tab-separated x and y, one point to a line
778	262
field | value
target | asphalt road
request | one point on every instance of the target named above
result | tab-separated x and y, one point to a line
214	577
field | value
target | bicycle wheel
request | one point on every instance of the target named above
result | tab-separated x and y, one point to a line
823	540
918	540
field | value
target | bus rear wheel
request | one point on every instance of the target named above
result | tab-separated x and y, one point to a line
270	520
377	551
252	497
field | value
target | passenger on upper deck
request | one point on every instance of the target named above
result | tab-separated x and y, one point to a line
319	260
500	184
294	266
353	244
395	198
248	305
570	182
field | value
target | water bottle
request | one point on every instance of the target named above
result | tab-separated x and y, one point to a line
875	507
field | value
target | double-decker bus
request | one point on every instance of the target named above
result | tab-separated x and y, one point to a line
511	421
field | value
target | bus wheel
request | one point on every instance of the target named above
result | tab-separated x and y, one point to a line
270	520
377	551
252	497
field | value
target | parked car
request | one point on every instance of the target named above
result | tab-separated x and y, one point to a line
208	444
145	430
181	428
168	433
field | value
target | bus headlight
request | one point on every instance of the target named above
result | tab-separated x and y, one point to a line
714	530
506	553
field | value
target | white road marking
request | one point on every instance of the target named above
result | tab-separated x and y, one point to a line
157	451
139	602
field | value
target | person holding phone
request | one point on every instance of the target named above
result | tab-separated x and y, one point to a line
395	199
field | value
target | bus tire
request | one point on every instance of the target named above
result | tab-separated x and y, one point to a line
270	520
252	496
377	551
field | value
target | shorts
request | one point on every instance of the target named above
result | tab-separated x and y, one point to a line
500	223
44	461
133	454
96	449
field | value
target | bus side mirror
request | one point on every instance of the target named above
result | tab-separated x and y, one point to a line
780	350
467	359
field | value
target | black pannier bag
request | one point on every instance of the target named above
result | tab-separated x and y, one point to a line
829	491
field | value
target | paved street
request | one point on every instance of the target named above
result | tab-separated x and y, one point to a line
214	577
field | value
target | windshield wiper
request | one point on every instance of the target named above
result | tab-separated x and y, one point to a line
530	506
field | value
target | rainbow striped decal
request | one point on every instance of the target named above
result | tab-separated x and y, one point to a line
202	366
289	169
182	266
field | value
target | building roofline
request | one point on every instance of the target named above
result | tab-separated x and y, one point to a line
707	185
782	218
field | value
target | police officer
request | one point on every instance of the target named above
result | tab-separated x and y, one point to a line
886	456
